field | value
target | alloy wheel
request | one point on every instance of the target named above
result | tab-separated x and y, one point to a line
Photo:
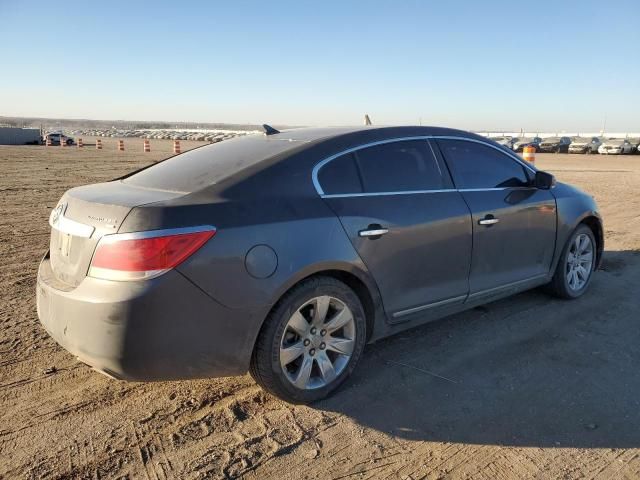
579	262
317	342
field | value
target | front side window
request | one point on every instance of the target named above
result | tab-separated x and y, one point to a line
399	167
475	165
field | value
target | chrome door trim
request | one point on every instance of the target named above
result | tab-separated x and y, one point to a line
322	163
506	286
427	306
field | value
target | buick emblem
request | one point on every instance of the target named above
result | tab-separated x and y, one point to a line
57	212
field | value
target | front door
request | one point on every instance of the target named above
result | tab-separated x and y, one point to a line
409	225
514	223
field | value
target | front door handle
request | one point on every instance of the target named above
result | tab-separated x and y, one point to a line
373	232
489	220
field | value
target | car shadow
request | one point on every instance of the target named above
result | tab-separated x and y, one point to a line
530	370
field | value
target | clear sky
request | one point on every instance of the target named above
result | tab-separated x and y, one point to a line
539	65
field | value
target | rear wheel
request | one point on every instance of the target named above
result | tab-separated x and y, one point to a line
576	265
311	341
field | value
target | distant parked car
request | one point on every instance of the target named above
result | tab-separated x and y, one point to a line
555	145
585	145
636	143
504	141
520	143
56	137
616	146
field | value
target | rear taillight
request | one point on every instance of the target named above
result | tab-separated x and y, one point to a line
143	255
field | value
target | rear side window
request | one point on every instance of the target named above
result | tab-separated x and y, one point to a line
475	165
340	175
399	166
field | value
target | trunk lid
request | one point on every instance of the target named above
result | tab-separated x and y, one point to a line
83	215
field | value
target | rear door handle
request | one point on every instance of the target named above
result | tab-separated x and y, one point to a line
373	232
489	220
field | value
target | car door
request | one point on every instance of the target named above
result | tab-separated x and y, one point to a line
514	223
411	228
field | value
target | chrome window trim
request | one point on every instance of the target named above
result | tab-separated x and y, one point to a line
377	194
322	163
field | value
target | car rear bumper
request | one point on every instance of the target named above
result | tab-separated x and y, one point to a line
160	329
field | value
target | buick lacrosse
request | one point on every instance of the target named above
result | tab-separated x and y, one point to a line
285	253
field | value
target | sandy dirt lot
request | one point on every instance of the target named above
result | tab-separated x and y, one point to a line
527	387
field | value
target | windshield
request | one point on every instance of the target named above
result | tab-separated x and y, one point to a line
552	139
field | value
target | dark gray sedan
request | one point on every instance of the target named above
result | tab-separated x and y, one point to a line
285	253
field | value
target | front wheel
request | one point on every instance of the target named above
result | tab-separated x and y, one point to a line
576	265
311	341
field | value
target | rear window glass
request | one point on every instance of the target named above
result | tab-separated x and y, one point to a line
205	166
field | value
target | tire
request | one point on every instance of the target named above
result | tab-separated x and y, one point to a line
276	372
69	142
560	285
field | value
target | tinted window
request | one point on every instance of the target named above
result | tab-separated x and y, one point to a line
399	166
479	166
340	176
208	165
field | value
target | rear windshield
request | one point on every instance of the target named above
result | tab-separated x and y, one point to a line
208	165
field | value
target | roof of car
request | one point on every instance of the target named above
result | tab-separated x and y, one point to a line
309	134
212	164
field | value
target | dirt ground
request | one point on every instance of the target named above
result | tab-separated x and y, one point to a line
527	387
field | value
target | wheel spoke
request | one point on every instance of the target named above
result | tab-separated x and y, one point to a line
576	245
343	317
582	273
302	378
585	243
326	367
298	324
289	354
320	312
586	258
343	346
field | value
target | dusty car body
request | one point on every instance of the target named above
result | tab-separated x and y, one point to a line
285	253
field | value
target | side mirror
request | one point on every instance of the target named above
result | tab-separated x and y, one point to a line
544	180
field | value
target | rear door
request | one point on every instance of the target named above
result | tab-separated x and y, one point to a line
514	223
411	228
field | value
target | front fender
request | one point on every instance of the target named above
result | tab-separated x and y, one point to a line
575	207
